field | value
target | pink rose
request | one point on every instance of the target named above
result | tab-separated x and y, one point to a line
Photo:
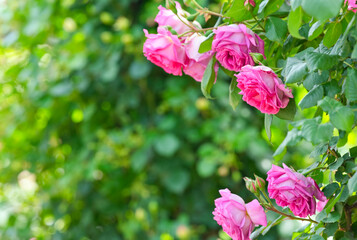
196	62
261	88
233	43
321	205
166	17
165	50
237	218
352	5
293	189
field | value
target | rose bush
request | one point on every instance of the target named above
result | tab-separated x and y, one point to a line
264	46
237	218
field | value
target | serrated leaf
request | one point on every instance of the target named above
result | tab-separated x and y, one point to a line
312	97
332	217
315	132
315	30
239	12
350	88
315	78
342	118
330	189
272	6
208	78
297	70
322	9
206	45
295	21
316	237
288	113
276	29
234	96
352	184
329	104
332	34
293	137
320	60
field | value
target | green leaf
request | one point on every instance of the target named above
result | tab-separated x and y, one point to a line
329	104
208	78
315	30
167	145
322	9
295	70
294	22
332	203
234	96
332	34
332	217
320	59
342	118
330	189
312	97
350	88
352	184
292	138
276	29
239	12
315	132
206	45
354	52
315	78
316	237
176	181
267	124
336	164
288	113
272	6
295	4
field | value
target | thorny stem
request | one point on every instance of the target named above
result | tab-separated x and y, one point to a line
314	170
332	152
348	64
271	208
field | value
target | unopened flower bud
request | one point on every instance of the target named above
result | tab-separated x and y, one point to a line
249	2
259	182
250	185
193	17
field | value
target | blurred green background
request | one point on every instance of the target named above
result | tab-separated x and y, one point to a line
98	143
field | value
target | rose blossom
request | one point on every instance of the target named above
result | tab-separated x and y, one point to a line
196	62
165	50
237	218
261	88
293	189
321	205
352	5
233	43
166	17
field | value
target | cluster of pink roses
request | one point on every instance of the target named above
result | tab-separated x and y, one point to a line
286	186
231	46
352	5
175	53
